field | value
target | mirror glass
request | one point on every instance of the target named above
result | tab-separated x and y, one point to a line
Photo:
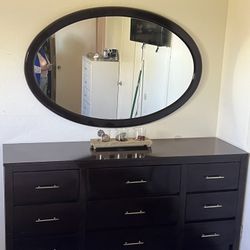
113	67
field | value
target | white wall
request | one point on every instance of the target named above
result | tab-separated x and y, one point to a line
234	111
114	32
24	119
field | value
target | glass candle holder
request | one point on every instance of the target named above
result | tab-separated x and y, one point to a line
141	134
121	135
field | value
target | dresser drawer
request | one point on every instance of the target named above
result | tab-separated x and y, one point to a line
132	212
212	177
47	219
141	239
45	186
52	243
220	247
209	234
133	181
211	206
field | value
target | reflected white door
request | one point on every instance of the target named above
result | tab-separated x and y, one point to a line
72	42
153	95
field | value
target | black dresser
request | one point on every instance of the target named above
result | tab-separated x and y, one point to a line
181	194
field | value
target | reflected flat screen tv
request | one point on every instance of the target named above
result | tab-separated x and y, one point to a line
149	33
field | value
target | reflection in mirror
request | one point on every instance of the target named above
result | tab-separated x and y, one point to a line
113	67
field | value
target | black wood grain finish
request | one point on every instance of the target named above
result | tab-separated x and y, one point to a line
133	212
131	182
212	177
211	206
184	194
70	242
47	219
210	234
145	238
186	150
218	247
46	186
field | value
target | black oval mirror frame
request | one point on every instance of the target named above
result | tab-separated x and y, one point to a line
111	11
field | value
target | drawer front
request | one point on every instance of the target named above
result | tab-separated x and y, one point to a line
55	243
47	219
133	181
221	247
141	239
212	177
211	206
132	212
209	234
46	187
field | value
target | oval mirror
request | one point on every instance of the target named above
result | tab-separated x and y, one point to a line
113	67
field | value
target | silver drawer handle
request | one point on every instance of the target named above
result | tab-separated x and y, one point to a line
136	182
135	213
127	244
210	235
47	220
212	206
218	177
47	187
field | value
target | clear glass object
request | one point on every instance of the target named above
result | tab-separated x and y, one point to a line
140	133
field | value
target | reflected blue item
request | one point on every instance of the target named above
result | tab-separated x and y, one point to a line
41	70
37	65
37	75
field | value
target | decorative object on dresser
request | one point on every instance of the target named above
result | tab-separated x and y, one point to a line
122	140
180	194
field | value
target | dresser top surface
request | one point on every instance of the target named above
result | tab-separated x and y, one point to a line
80	151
